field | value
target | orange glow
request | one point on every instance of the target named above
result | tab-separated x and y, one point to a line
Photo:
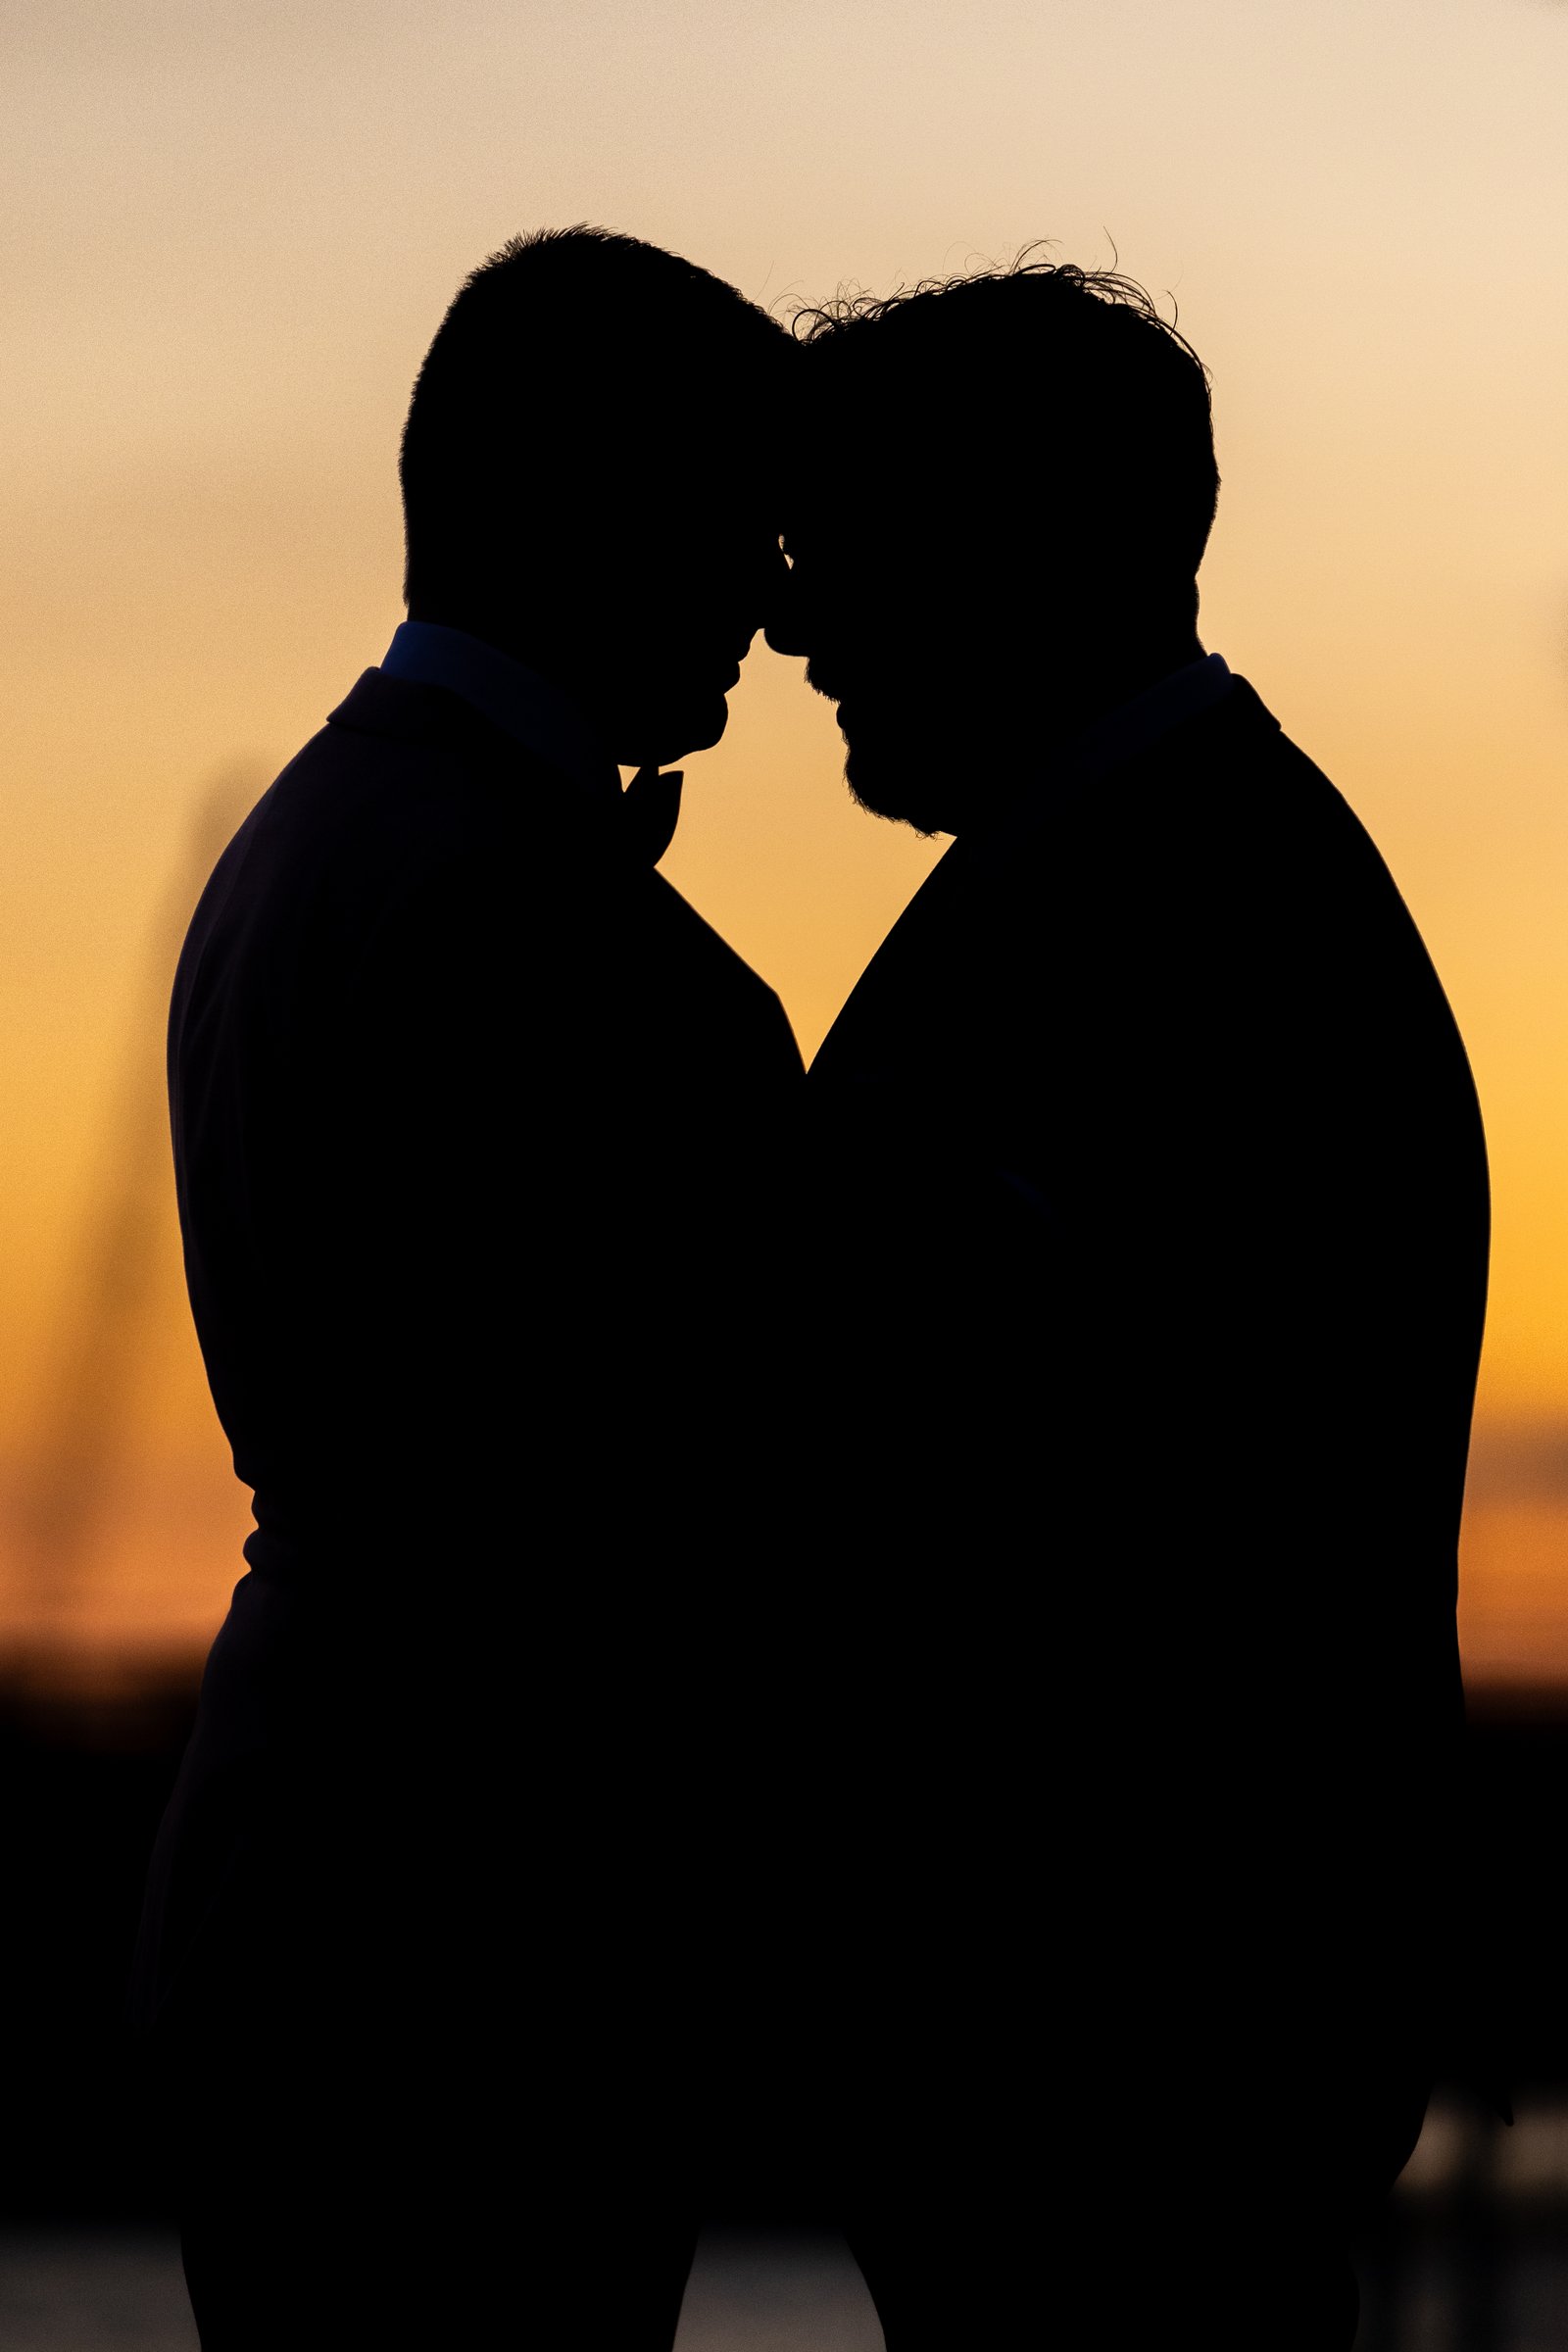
231	236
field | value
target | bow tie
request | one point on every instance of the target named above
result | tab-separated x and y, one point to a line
650	809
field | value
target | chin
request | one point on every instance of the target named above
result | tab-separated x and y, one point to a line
705	723
672	732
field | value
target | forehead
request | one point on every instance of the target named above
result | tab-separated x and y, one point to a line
882	427
851	482
722	475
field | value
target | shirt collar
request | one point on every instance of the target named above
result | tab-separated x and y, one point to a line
1136	727
534	711
1132	728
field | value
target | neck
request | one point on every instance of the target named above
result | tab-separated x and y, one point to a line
509	633
1045	714
500	631
1091	686
1022	737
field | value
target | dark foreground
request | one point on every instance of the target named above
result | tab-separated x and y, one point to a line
1474	2255
1471	2257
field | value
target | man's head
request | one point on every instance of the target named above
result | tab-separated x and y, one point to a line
1002	489
586	480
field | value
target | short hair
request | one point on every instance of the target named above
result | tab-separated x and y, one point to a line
555	348
1073	371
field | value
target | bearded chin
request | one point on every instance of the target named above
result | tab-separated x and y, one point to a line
898	790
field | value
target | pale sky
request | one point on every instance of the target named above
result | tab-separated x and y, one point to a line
231	231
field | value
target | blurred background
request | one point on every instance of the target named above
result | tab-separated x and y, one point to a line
232	227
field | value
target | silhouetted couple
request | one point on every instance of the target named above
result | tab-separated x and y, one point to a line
875	1644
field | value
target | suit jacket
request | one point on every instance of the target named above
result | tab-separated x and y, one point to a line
1157	1247
459	1084
476	1124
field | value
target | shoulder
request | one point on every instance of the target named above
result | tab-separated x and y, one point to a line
407	813
432	866
1242	926
381	807
1227	839
1213	907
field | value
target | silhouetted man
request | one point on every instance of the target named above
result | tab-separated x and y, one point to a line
1154	1277
475	1127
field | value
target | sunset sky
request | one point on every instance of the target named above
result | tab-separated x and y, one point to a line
230	233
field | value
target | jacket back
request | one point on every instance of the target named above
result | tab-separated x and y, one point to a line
1164	1187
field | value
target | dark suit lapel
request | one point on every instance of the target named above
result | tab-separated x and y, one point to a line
882	1009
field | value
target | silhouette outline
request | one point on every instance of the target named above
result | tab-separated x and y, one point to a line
475	1128
1045	1735
1154	1224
